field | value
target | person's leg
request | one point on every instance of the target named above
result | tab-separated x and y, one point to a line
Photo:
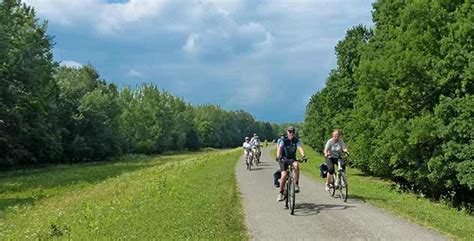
281	195
283	168
330	165
284	174
297	175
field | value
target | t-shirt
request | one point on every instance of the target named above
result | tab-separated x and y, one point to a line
255	142
335	149
288	147
246	145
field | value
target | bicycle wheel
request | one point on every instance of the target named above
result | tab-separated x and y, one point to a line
343	186
287	187
332	188
291	195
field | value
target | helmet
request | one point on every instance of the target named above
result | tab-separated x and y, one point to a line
246	138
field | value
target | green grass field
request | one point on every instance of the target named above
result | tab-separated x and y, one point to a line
189	196
454	224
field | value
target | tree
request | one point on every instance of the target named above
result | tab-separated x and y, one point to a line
28	91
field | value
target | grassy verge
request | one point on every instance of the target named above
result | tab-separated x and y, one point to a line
191	196
454	224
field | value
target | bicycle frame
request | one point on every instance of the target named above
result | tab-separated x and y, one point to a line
339	183
290	197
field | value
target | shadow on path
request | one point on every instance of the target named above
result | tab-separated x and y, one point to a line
307	209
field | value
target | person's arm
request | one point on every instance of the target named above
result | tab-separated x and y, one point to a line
300	148
278	150
344	147
326	149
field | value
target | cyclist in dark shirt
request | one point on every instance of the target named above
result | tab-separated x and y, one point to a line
286	155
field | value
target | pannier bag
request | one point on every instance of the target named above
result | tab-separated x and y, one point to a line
323	170
276	177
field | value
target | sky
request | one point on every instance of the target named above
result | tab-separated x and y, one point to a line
266	57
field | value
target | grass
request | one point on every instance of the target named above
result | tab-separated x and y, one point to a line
190	196
448	221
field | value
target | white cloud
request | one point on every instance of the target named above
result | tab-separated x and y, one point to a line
191	45
70	63
134	73
115	17
275	43
69	12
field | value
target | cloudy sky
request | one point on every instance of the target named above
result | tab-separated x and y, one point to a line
266	57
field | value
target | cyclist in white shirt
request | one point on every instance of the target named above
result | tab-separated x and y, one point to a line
247	149
332	152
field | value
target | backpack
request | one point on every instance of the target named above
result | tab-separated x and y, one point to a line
323	170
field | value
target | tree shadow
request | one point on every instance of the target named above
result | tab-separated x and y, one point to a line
361	174
308	209
5	203
35	184
354	198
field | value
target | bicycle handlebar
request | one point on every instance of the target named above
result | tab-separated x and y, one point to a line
301	160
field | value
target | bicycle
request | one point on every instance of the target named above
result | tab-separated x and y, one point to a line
248	160
290	194
256	153
341	182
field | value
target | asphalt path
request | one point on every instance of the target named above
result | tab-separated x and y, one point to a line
317	215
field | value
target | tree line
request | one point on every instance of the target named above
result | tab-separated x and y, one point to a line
56	114
402	94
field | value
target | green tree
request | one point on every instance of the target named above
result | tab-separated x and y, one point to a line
28	92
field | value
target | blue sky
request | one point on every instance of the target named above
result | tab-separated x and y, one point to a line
266	57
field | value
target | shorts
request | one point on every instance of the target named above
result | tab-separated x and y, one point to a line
285	163
332	161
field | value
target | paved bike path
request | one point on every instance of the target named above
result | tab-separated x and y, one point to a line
317	216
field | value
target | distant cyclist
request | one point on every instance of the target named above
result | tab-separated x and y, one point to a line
247	149
333	151
280	140
286	155
255	141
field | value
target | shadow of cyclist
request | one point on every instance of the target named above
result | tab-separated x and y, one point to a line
307	209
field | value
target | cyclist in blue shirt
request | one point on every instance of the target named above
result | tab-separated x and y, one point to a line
286	155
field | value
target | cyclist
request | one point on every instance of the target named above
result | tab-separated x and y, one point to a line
332	152
255	143
247	149
280	140
286	155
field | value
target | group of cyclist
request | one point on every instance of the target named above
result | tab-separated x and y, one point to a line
252	148
287	147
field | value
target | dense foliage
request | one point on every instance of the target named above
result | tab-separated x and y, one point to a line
402	93
51	114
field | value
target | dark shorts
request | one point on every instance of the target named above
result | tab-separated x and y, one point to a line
333	161
285	163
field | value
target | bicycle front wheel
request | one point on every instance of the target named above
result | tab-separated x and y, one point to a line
332	189
291	195
287	187
343	187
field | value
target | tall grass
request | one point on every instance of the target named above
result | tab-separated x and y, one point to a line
381	193
190	196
